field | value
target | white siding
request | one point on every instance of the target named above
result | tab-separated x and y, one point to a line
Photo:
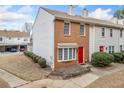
91	41
14	41
107	40
43	36
97	40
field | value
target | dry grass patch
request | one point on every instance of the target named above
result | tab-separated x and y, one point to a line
21	66
114	80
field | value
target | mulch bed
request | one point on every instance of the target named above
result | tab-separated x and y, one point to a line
69	72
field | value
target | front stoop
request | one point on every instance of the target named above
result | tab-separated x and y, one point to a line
66	73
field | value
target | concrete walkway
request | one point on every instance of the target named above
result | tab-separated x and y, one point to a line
11	79
77	82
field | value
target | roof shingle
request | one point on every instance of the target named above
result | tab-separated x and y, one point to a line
62	15
13	33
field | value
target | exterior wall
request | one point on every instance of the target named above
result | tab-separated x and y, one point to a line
82	41
43	36
14	41
91	41
107	40
97	40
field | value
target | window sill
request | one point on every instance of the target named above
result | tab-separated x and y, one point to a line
67	35
82	35
65	61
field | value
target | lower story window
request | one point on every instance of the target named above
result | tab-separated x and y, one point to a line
121	48
66	54
111	49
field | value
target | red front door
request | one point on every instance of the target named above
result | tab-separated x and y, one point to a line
80	55
101	48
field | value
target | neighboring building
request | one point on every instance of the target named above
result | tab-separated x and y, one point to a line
65	39
28	28
14	40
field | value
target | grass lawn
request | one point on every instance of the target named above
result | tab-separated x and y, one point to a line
4	84
21	66
114	80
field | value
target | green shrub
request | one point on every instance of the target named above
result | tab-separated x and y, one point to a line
101	59
122	55
42	62
37	59
34	57
118	57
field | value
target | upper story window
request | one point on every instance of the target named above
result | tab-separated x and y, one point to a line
111	32
103	32
121	33
1	38
25	39
9	37
82	30
66	29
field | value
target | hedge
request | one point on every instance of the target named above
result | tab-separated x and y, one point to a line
37	59
101	59
118	57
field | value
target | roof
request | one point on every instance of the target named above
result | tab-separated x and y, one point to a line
13	33
63	15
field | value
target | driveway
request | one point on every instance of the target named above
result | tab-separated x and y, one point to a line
10	53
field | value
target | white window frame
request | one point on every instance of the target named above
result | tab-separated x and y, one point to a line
69	28
84	29
73	59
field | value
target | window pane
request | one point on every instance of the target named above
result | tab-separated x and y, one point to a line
60	53
70	53
111	32
65	53
66	28
1	39
112	49
103	31
109	49
120	33
81	29
74	50
120	48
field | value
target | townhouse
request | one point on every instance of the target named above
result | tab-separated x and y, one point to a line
65	39
14	41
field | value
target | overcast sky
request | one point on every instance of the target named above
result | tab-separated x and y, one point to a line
13	17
